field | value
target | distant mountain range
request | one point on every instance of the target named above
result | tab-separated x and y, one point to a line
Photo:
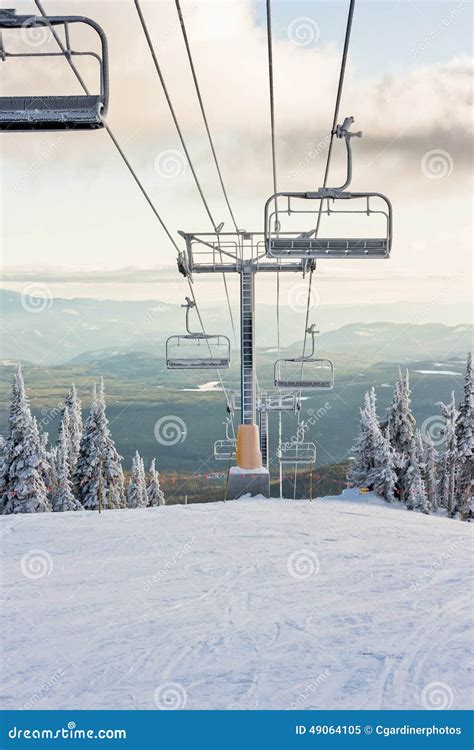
57	331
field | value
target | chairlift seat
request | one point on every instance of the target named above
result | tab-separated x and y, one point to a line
197	351
284	247
81	112
303	383
224	450
296	453
197	363
310	207
50	112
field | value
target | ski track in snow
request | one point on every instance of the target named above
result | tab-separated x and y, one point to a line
202	596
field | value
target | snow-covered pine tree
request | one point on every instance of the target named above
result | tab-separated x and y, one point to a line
47	466
72	405
416	497
383	476
113	482
63	498
26	491
99	463
154	492
364	448
401	425
450	456
18	422
431	460
465	445
136	491
3	443
86	474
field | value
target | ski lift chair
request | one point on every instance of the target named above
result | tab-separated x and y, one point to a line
306	372
197	351
329	203
225	449
78	111
296	453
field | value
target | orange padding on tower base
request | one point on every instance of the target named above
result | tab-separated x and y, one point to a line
249	455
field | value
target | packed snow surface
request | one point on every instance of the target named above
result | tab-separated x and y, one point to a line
253	604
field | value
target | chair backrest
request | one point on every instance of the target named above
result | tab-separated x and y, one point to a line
296	453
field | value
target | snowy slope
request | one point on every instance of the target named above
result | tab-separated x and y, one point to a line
251	604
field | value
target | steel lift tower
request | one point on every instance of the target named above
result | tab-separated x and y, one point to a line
293	250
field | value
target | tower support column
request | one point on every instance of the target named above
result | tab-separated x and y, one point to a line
249	477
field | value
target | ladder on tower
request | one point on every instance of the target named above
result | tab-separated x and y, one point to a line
263	426
247	289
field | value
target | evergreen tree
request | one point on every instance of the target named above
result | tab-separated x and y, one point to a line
72	405
449	458
112	472
364	448
431	473
19	422
465	445
47	466
401	425
99	464
26	491
63	498
383	476
136	491
3	443
154	492
416	492
86	474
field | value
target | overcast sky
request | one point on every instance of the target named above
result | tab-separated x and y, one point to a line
70	208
